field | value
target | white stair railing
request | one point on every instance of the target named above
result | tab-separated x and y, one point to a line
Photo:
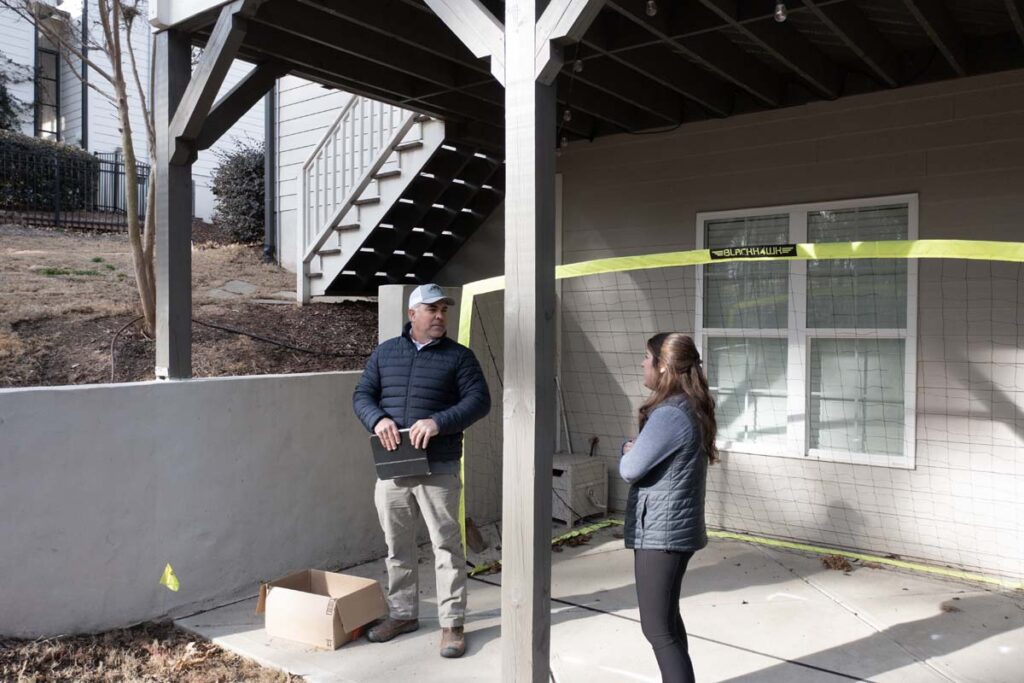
339	170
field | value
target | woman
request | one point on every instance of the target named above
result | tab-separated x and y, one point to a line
666	466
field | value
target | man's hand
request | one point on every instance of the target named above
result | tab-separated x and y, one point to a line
422	432
628	446
387	430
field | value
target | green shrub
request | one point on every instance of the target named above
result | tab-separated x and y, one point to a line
238	188
12	108
35	173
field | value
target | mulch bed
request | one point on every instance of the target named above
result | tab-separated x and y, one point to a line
149	652
80	353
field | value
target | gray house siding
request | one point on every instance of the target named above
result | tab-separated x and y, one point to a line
959	146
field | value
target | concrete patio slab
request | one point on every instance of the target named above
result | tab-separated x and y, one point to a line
754	615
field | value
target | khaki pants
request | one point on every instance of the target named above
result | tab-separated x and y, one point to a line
400	502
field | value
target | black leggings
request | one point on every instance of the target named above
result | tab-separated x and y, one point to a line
659	576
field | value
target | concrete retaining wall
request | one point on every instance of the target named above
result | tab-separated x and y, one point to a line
230	480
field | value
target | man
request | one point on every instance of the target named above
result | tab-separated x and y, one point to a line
433	386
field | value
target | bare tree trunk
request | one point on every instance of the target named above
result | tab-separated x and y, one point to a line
111	18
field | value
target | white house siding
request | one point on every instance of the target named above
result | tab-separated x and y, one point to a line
960	146
104	129
305	111
70	103
17	42
248	128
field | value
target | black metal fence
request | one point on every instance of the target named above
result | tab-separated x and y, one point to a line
85	191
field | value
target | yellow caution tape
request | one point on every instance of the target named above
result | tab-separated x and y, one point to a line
582	531
972	250
946	572
169	579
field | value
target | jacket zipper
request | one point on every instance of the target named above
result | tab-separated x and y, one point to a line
408	388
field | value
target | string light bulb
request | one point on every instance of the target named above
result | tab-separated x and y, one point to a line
567	115
577	66
652	8
780	12
564	143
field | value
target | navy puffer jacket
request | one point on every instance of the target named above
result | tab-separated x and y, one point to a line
665	509
442	381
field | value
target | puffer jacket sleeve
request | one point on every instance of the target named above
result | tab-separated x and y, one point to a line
366	397
474	397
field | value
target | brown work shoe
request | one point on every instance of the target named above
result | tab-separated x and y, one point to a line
453	642
389	628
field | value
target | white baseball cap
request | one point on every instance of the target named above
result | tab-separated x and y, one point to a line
429	294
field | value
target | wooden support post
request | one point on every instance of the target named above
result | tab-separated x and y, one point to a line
529	69
529	419
173	213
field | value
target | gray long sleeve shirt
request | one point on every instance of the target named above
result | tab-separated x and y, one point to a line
665	432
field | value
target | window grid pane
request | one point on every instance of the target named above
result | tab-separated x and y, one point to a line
857	293
856	388
745	295
748	379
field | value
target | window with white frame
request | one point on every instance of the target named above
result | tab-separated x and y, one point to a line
812	358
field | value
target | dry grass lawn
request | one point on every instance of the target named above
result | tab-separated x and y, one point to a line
64	295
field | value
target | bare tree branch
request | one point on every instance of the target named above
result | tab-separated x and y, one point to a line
24	9
146	114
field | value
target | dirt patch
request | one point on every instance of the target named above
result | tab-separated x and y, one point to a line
204	233
150	652
837	563
64	296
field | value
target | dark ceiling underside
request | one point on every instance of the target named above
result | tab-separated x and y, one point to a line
692	60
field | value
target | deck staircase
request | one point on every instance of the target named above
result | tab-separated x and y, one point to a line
387	198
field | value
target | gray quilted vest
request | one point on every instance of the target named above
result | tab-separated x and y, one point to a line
665	509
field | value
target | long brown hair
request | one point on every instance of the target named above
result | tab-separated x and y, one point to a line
679	371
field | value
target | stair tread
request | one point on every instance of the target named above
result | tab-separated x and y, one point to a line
314	276
329	252
389	173
366	200
409	144
347	226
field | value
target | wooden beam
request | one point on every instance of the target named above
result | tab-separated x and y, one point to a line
656	64
1016	11
713	52
611	77
624	115
477	28
943	31
306	24
173	267
563	21
208	76
240	99
529	408
787	45
285	46
850	25
414	25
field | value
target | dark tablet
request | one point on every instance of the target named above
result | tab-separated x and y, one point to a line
407	461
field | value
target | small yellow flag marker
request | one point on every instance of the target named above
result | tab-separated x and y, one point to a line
169	579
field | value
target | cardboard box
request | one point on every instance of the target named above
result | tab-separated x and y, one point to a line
320	608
